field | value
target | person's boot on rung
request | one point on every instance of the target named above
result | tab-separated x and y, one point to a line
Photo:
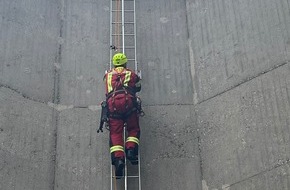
119	168
132	156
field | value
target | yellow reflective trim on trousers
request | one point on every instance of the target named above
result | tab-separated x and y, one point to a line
127	78
133	139
116	148
109	82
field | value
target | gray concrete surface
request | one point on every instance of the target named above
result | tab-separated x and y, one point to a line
239	53
277	178
29	32
82	155
245	132
84	51
170	156
163	52
232	41
27	143
215	93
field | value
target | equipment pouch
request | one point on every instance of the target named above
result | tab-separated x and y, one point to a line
139	107
104	114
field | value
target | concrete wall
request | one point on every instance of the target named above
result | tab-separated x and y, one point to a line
163	52
84	51
27	143
169	140
239	53
233	41
53	57
29	40
215	93
245	134
82	156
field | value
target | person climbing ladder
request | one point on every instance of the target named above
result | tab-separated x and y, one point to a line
122	105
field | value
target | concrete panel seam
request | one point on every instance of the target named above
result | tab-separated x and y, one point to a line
186	20
282	163
56	87
200	160
18	92
57	107
245	81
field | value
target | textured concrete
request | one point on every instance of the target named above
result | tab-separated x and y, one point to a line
82	155
246	132
84	51
27	143
163	52
239	55
277	178
170	156
29	32
219	66
231	41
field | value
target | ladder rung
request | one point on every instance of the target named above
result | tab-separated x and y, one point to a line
121	10
128	176
126	47
124	23
122	34
133	176
129	47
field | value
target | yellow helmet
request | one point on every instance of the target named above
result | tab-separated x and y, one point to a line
119	59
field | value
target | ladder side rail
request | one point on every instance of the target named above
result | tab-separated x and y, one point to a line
126	168
111	37
139	168
137	71
110	67
135	38
123	50
123	25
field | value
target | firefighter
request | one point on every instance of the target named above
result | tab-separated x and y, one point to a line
121	87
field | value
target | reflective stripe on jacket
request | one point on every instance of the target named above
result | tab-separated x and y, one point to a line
120	77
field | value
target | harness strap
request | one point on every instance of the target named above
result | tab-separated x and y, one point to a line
115	115
121	91
124	90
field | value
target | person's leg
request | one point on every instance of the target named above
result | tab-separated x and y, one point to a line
132	141
117	145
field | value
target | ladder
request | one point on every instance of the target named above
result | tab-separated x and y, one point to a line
123	39
123	31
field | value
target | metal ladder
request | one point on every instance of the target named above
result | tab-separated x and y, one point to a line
123	39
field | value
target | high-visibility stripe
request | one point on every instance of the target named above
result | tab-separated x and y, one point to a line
127	78
116	148
109	82
133	139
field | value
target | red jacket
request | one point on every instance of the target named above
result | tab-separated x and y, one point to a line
120	78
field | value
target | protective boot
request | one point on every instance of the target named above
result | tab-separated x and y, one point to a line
132	156
119	168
